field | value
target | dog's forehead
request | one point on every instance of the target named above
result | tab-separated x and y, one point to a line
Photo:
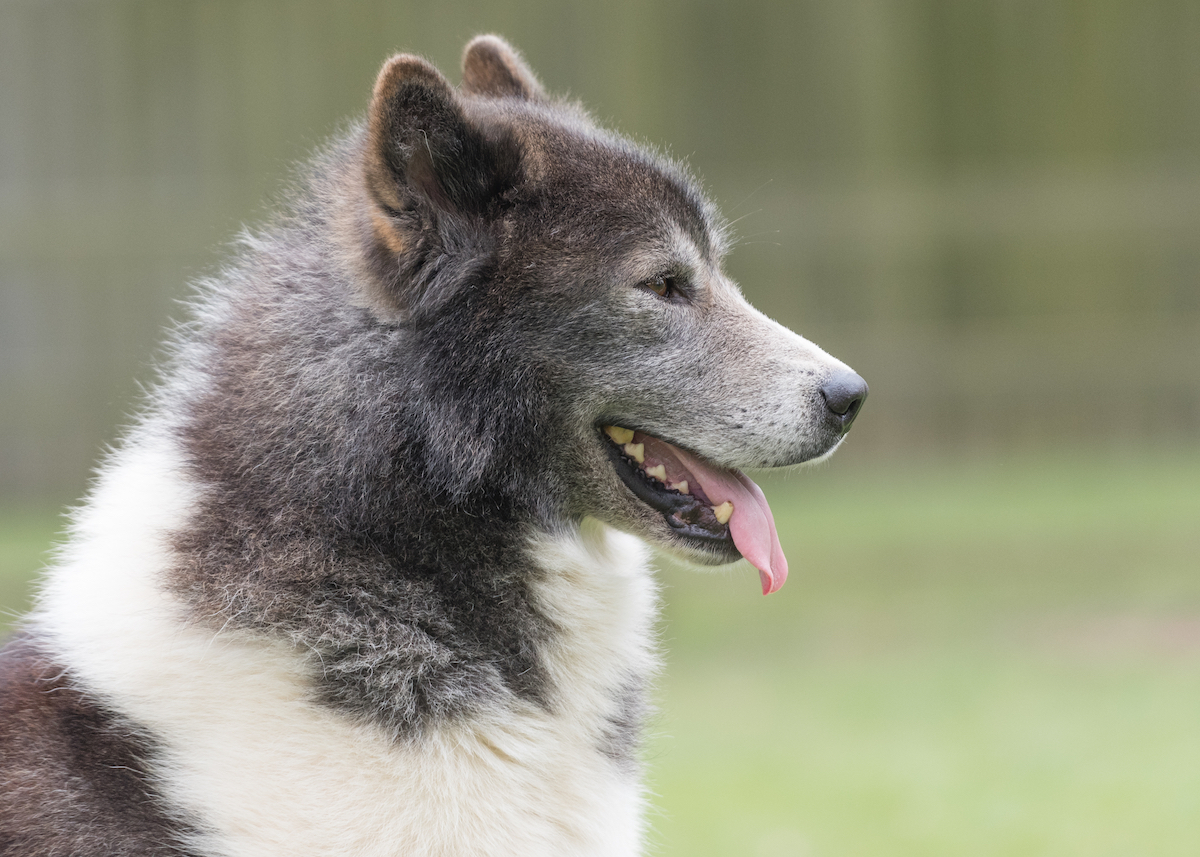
619	191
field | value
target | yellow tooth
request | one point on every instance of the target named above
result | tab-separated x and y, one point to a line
620	435
681	487
723	512
658	471
636	451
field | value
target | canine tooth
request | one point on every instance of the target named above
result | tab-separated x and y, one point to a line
620	435
636	451
658	471
681	487
723	512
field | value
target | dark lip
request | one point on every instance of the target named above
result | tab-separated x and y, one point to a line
689	518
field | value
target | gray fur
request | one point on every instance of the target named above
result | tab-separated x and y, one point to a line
373	472
402	380
75	778
623	738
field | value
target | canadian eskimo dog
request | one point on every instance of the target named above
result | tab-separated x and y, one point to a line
369	576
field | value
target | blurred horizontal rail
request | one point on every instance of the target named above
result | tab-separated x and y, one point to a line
1030	205
1163	202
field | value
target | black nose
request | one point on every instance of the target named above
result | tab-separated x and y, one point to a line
844	394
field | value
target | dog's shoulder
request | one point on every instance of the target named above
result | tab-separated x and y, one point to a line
73	776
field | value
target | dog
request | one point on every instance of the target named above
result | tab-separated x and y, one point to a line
370	574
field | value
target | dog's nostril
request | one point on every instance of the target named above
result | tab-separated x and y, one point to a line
844	395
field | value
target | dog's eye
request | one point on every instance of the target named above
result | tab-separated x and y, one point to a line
662	285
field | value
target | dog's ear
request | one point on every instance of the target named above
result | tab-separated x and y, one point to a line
420	142
428	170
492	67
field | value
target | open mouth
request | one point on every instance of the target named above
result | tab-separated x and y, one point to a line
719	510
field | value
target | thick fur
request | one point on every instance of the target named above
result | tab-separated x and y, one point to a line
363	580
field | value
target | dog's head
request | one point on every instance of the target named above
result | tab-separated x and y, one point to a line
577	277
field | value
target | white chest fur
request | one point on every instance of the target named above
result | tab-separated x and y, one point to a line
269	772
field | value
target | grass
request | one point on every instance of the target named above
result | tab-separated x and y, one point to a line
974	754
984	659
989	658
26	536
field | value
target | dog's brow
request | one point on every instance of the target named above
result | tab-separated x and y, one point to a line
685	249
675	252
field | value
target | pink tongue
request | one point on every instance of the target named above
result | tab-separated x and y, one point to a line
752	525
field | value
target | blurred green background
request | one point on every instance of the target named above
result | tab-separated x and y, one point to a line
990	642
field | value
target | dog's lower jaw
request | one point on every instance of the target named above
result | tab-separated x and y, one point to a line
707	508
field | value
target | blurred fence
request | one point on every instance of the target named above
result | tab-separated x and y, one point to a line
991	209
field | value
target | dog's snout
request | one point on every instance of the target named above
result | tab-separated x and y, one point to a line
844	394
